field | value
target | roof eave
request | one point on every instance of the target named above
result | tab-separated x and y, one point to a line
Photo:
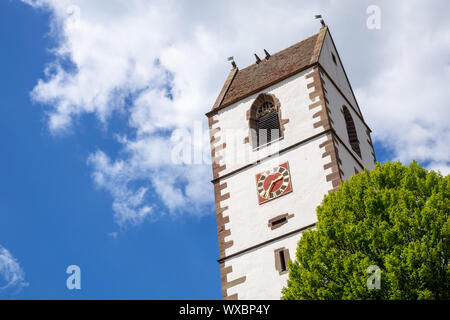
313	62
226	86
223	106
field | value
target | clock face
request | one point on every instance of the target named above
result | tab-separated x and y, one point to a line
273	183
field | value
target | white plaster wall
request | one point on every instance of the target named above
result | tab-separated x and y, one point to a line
263	281
348	163
336	71
249	220
335	103
294	99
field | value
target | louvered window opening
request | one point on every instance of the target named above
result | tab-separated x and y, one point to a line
268	128
351	130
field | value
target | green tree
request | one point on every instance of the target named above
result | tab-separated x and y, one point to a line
394	217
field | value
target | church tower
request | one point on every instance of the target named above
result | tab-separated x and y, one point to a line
284	132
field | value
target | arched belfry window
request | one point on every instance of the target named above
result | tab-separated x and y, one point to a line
265	120
351	130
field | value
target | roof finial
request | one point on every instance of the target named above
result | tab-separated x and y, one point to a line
319	16
232	62
258	60
267	54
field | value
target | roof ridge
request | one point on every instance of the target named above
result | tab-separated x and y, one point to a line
281	65
285	49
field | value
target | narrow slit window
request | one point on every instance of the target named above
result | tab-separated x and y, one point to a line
282	261
279	221
334	58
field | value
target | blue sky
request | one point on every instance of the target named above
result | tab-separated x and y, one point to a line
76	185
51	214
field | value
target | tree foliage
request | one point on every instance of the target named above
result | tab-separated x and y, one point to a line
394	217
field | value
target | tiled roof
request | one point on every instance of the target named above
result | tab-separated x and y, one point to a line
281	65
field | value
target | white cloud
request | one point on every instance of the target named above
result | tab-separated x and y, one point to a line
407	101
128	205
12	277
169	57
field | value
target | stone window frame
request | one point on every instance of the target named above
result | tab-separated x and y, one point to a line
285	216
278	261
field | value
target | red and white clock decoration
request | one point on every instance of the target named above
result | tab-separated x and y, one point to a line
274	183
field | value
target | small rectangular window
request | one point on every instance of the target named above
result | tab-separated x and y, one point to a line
279	221
282	260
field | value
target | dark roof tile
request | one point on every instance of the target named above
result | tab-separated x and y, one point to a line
279	66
